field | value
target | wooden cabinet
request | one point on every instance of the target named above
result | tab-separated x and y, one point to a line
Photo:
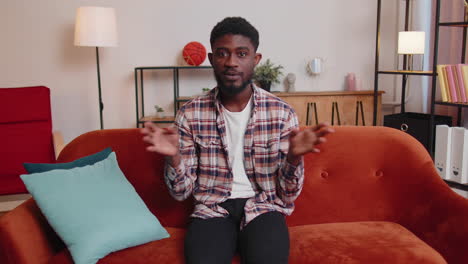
337	108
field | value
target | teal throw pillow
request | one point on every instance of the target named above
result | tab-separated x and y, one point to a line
87	160
94	209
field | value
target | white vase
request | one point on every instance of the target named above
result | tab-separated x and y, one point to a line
160	115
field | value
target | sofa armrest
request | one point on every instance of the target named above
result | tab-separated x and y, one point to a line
439	217
57	138
26	237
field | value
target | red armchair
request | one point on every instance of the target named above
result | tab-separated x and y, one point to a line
371	196
25	134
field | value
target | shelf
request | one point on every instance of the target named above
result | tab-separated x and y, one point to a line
454	24
426	73
169	119
452	104
185	98
457	185
171	67
139	91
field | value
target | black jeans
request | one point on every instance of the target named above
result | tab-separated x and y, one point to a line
215	241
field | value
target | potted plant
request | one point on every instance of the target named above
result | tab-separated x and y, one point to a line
159	111
267	73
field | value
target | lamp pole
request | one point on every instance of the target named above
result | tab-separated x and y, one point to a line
101	104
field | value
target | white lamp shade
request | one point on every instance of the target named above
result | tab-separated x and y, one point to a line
411	42
96	27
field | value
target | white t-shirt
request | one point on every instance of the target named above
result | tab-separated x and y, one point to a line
236	125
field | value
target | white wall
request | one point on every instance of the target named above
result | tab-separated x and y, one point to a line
36	48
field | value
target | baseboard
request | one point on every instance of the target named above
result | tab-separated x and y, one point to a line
9	202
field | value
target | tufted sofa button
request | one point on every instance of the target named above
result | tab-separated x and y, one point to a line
324	174
379	173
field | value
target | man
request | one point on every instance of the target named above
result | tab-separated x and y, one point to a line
238	151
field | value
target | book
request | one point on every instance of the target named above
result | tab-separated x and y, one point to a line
443	151
451	84
459	155
461	83
449	96
460	92
442	81
464	69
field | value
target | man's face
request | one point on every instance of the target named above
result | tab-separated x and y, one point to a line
233	60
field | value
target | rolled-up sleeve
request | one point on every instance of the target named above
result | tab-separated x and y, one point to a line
290	177
181	179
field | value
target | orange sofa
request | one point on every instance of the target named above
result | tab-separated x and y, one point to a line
371	196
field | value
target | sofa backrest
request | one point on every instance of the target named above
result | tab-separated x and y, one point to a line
25	133
361	173
366	174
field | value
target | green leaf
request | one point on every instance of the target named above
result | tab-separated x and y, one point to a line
268	72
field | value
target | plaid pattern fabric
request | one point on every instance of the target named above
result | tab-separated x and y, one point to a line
205	171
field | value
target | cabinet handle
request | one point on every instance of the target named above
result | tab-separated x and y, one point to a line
335	105
360	108
309	106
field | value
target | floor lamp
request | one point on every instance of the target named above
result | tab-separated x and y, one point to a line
96	27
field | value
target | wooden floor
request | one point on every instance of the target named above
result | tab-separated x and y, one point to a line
9	202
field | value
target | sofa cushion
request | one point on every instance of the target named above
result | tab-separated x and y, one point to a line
359	242
354	242
87	160
94	209
169	250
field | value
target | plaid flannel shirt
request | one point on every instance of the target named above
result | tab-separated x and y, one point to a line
205	170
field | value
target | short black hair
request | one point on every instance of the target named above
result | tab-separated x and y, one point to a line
235	26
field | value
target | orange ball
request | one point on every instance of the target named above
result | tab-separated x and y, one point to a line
194	53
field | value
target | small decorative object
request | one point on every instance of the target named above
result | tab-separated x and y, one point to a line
267	74
194	53
290	80
351	82
205	90
159	111
358	84
314	66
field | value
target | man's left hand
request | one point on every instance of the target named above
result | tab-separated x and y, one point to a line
305	141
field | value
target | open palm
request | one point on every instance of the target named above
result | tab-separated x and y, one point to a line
162	140
302	142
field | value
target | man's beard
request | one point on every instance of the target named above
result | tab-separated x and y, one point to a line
232	90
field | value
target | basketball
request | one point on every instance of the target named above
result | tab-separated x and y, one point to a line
194	53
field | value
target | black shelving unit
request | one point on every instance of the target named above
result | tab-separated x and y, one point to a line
438	25
433	74
140	95
404	73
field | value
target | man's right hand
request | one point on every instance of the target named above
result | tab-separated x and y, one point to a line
162	140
